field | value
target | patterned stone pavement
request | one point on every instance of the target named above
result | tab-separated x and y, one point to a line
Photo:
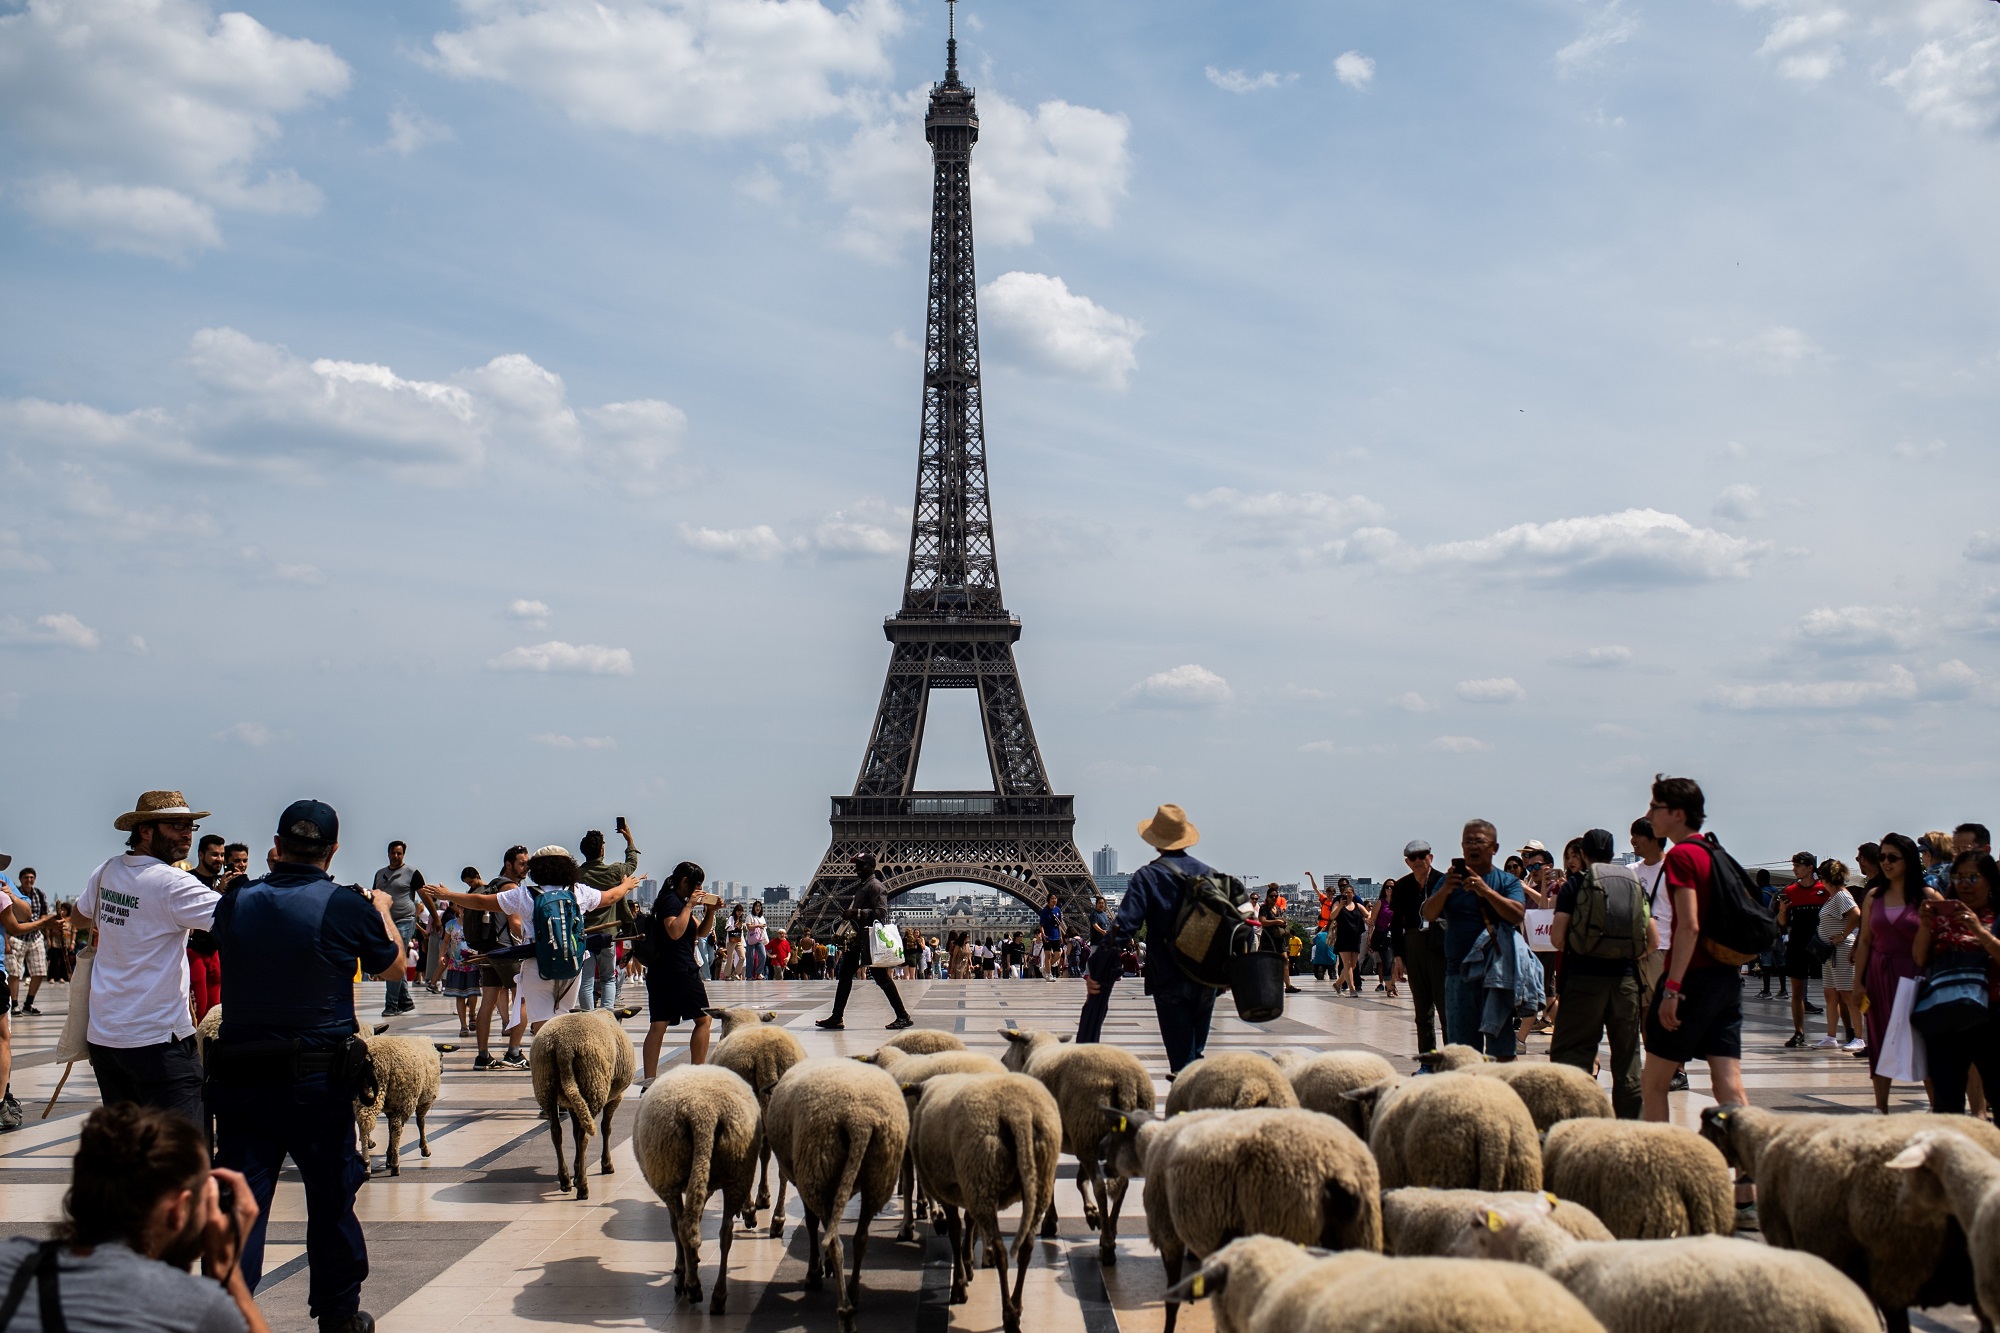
476	1237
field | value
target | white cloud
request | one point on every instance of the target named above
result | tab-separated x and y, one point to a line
259	404
61	630
675	68
587	659
410	130
253	734
1607	655
1060	163
1035	321
535	612
1236	81
1188	686
1910	451
1307	524
1459	744
1495	690
1608	27
156	112
857	532
1779	350
1897	687
1412	702
841	534
1354	69
1983	546
1840	631
557	741
759	543
1740	503
1635	546
15	558
1805	47
1941	56
1952	82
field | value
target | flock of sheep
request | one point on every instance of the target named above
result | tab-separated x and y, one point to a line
1311	1192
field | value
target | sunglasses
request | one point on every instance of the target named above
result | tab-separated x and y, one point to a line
1887	857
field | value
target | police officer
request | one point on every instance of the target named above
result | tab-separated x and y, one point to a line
283	1072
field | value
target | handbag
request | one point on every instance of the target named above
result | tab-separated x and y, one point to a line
1951	997
885	945
1902	1057
74	1045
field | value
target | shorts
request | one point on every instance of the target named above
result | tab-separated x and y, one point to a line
499	974
672	996
1711	1014
1800	965
543	1000
28	956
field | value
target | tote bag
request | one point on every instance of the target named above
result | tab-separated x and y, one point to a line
1952	995
885	945
74	1044
1902	1056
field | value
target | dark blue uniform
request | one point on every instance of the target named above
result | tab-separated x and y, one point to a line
289	945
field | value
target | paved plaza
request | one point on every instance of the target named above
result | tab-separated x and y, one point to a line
477	1238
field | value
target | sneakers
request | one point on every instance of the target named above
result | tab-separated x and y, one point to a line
1680	1083
899	1024
11	1114
1859	1046
1796	1040
30	1009
358	1322
830	1024
1826	1044
1812	1008
512	1060
483	1061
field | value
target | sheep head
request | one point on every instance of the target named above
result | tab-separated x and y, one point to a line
1024	1042
1515	1230
1368	1100
732	1019
1119	1148
1722	1126
1236	1277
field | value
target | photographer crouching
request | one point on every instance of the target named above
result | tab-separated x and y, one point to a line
142	1206
283	1073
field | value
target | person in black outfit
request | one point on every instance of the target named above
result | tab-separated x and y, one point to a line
673	977
870	906
1350	923
1421	942
284	1069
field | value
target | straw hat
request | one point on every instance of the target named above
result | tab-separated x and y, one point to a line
1169	829
154	806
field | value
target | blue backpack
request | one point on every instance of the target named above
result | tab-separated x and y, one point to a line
558	935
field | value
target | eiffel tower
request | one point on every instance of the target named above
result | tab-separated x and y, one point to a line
953	631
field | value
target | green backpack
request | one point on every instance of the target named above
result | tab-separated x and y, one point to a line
1207	925
1610	920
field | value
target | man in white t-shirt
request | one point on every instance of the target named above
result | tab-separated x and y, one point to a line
1652	873
141	1034
554	871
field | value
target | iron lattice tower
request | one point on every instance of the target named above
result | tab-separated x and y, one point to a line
953	631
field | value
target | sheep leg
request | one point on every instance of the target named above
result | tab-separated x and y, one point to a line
691	1225
961	1255
843	1299
778	1206
1172	1256
680	1251
1107	1234
813	1256
1010	1306
908	1231
423	1132
853	1288
1086	1174
763	1170
719	1302
562	1167
1048	1231
610	1109
394	1156
1896	1320
580	1127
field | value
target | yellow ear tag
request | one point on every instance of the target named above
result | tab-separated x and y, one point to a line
1492	1220
1200	1287
1123	1124
1553	1200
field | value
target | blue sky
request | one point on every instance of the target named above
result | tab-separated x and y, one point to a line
499	416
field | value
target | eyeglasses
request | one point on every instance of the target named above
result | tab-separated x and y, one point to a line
1887	857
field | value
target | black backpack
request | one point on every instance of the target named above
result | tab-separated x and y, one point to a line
1735	924
646	944
1208	925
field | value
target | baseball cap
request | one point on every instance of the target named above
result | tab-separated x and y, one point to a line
1416	847
323	825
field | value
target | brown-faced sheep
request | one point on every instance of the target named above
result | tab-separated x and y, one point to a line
1651	1286
1645	1181
1451	1131
758	1051
1214	1175
1322	1082
1825	1186
1948	1164
838	1128
407	1072
983	1141
1551	1092
1230	1081
1417	1222
581	1063
1261	1284
697	1133
1085	1080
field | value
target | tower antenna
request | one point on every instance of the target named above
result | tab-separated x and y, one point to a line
951	41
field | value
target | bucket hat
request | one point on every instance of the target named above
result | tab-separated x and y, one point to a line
154	806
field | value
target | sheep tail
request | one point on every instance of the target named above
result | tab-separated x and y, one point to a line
570	1096
850	1171
701	1129
1021	1124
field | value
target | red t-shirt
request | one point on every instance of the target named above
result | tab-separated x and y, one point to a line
1807	893
1688	865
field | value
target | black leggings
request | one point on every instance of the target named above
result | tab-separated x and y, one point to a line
850	963
1952	1055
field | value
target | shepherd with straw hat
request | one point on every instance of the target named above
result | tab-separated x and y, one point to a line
140	910
1152	899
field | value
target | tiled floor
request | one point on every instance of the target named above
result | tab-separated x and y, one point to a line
477	1238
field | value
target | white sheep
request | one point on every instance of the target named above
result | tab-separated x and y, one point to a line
1085	1080
1262	1284
1945	1162
1418	1221
1451	1131
1321	1082
911	1072
1446	1059
581	1063
1646	1181
698	1132
1551	1092
1230	1080
983	1141
1644	1286
757	1050
1825	1186
837	1127
1215	1175
406	1077
925	1041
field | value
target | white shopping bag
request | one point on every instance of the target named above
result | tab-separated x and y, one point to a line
885	945
1902	1054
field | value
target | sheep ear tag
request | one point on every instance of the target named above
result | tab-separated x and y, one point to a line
1493	1222
1124	1124
1199	1288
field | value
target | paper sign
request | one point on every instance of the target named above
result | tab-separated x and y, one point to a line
1540	921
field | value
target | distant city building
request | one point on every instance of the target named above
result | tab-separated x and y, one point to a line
781	893
646	894
1112	885
1104	861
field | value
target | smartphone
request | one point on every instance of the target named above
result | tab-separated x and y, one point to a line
620	826
1458	864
